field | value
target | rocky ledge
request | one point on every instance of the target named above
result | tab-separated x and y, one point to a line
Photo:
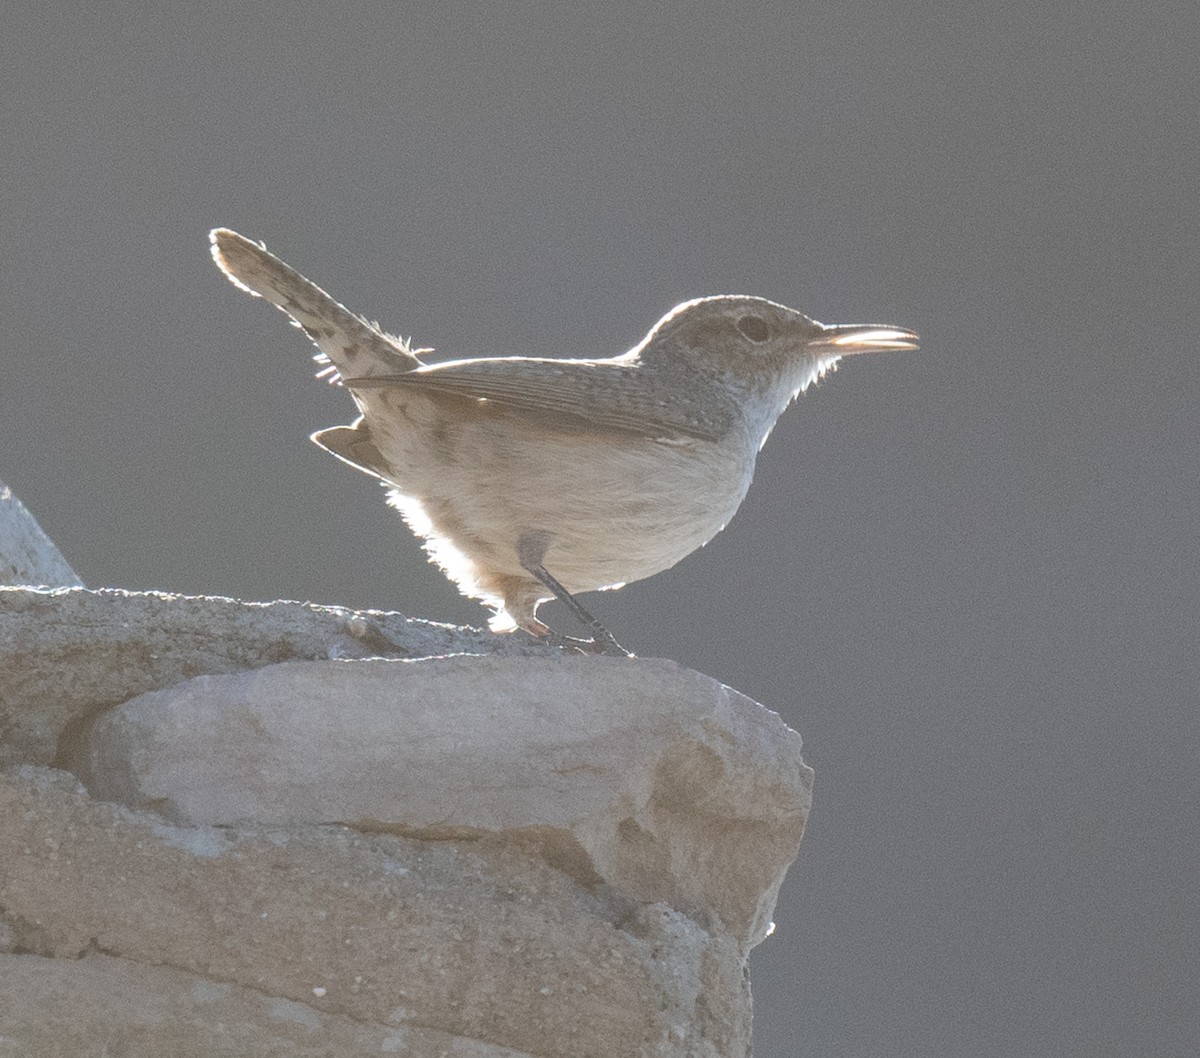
233	828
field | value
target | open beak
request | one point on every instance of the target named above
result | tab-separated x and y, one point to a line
846	339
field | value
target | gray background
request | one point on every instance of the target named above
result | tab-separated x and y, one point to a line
967	575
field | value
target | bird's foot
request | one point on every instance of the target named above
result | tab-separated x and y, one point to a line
602	643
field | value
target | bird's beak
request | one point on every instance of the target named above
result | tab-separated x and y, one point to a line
846	339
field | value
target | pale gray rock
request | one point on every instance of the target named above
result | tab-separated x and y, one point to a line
639	775
68	654
476	848
472	939
100	1005
27	554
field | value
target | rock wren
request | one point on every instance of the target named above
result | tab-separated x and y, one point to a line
532	478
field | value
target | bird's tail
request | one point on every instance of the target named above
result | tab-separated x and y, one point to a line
351	346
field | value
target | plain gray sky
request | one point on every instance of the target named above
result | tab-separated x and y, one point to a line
967	576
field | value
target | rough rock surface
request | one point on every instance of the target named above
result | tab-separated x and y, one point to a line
28	555
642	776
472	939
102	1006
67	654
480	848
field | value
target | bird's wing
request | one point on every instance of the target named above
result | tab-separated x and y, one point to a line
620	395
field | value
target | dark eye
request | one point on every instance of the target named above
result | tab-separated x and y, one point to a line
754	328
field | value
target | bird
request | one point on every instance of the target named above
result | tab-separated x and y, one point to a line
531	478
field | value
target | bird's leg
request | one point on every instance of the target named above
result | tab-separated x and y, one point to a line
602	641
531	549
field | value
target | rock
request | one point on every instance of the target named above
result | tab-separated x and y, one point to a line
67	654
469	939
27	555
53	1008
643	776
471	846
